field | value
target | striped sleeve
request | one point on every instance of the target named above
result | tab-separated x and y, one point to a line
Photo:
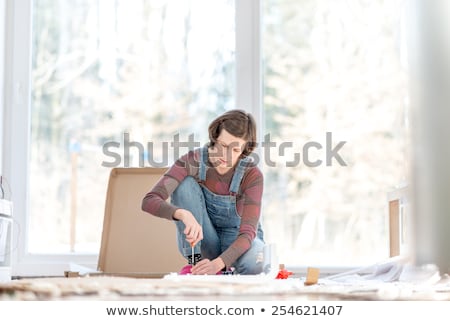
155	201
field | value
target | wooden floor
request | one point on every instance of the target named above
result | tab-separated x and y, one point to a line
225	287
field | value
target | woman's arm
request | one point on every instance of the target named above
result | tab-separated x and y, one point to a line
155	201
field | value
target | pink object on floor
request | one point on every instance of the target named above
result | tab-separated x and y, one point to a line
186	270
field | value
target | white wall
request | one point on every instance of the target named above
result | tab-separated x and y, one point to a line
431	133
2	75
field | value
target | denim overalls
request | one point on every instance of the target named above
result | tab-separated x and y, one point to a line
218	217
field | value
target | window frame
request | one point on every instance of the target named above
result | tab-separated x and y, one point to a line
15	66
16	120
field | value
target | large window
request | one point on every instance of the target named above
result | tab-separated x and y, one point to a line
106	75
335	74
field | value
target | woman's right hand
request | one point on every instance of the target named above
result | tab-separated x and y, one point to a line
193	230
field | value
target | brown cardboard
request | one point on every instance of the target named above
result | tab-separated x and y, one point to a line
398	221
312	276
394	228
135	242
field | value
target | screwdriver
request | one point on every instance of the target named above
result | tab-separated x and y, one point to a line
193	258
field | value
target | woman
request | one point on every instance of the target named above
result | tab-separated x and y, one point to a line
215	196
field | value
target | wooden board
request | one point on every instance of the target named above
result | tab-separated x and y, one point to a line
394	228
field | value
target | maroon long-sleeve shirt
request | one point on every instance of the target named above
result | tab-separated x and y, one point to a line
248	200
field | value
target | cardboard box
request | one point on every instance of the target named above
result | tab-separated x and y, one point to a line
136	243
398	221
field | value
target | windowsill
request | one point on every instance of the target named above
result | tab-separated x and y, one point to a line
51	265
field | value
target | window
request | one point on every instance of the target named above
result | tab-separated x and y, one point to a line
114	72
93	76
145	71
335	78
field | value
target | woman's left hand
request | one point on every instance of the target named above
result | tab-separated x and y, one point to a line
206	266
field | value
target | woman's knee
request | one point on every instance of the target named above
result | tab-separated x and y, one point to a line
188	190
251	262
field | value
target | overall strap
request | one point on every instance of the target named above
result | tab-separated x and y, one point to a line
239	174
203	161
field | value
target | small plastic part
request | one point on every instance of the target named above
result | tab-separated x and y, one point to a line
283	273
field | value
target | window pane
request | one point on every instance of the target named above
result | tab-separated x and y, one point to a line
334	67
116	71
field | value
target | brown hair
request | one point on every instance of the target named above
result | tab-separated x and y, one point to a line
239	124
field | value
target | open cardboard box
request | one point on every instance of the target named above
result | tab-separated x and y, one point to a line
135	243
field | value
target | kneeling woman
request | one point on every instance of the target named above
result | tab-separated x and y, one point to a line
215	196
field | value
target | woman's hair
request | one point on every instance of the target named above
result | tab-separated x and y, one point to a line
239	124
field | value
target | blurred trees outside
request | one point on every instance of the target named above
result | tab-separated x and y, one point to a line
158	68
339	67
151	69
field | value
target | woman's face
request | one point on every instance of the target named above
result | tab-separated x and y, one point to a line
226	151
